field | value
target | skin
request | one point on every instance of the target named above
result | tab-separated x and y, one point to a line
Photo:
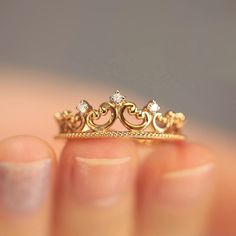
105	186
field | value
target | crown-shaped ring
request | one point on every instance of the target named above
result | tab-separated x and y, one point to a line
145	123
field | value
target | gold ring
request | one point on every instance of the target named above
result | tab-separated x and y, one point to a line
142	124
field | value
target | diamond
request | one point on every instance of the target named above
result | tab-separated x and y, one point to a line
83	106
153	106
117	97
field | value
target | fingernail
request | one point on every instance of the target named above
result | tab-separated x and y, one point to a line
101	181
23	186
184	187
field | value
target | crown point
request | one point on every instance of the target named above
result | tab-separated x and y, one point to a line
117	97
83	106
153	106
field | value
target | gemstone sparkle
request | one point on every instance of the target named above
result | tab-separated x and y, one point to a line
117	97
83	106
153	106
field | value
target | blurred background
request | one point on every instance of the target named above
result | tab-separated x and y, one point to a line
181	52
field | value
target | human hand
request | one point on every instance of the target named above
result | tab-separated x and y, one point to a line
101	186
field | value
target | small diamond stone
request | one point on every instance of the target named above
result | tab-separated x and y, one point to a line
153	106
83	106
117	97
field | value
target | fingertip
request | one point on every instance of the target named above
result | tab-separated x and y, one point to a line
97	175
181	155
96	168
175	185
98	148
197	153
27	174
24	148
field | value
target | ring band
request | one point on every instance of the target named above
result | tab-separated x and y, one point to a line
149	122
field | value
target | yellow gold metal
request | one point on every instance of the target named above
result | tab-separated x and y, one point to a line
151	124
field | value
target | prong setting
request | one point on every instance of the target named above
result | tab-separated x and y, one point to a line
153	107
83	106
117	98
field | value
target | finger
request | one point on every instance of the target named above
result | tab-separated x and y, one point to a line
222	218
26	177
175	186
97	188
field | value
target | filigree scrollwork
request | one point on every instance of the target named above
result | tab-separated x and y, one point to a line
140	115
169	122
178	121
69	122
103	110
146	123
